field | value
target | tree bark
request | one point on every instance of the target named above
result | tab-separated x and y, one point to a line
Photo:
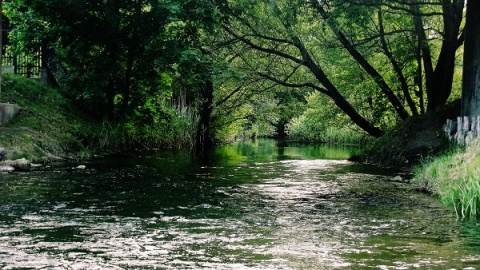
395	65
471	61
440	88
334	94
203	138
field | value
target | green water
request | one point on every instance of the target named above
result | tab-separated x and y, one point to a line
253	205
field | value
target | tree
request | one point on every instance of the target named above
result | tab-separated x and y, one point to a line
111	55
471	62
1	47
390	43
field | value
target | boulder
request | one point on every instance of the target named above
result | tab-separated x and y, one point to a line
18	164
6	168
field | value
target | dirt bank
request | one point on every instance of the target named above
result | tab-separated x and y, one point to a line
413	140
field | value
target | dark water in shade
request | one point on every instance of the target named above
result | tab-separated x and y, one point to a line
257	205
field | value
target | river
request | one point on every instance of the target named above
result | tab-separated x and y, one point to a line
253	205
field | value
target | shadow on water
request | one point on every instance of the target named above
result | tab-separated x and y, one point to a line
253	205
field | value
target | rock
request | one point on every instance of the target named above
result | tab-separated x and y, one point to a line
6	168
18	164
398	178
81	167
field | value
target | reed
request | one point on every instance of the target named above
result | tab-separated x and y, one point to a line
177	132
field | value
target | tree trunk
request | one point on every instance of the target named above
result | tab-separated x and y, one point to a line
358	57
335	95
395	64
203	138
440	88
471	61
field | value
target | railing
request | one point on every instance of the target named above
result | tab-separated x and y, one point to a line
28	65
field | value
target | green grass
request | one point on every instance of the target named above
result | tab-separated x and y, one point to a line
455	178
49	126
308	130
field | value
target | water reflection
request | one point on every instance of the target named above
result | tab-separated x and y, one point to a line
253	205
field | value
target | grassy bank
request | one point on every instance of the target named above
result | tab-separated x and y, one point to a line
47	126
455	178
51	127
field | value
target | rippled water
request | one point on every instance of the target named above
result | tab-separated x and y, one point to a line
258	205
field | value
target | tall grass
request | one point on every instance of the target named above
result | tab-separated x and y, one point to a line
178	132
455	178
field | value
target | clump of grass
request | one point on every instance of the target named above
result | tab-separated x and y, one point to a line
455	178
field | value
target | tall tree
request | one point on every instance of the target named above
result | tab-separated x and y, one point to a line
112	54
1	47
471	61
390	43
277	38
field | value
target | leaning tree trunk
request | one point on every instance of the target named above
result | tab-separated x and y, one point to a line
471	61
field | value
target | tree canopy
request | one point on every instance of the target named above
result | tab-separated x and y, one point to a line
264	66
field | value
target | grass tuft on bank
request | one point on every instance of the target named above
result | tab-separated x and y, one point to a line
455	178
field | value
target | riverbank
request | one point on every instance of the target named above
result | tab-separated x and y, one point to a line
50	127
47	126
446	171
414	140
454	177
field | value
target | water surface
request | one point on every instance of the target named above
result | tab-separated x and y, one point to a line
253	205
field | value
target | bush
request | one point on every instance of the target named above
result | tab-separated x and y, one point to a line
309	127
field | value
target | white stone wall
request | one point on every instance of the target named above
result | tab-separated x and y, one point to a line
462	130
7	112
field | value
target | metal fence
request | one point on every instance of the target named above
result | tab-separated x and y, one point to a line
28	65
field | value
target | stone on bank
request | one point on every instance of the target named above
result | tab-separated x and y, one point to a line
15	165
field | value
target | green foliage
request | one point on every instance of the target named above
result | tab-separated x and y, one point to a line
455	178
112	57
323	122
176	130
49	126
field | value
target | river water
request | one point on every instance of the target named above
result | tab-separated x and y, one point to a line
253	205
